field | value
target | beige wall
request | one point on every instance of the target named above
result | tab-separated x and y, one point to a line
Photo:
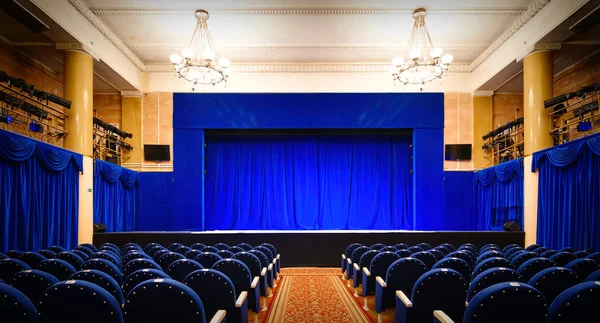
157	125
458	125
507	107
578	76
108	107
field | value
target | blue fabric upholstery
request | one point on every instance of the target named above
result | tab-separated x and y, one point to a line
512	250
235	249
583	267
225	254
107	256
133	255
595	256
183	249
217	292
245	246
426	257
58	268
104	266
593	276
461	255
168	258
581	254
253	263
241	277
533	266
490	263
515	255
548	253
269	255
488	254
89	245
402	275
32	258
57	249
491	277
532	247
156	254
33	283
461	266
579	303
208	259
517	261
438	289
84	256
414	249
76	301
137	264
101	279
364	262
173	246
44	252
507	247
192	253
209	249
553	281
264	262
152	245
15	307
448	246
562	258
438	253
72	258
507	302
425	246
180	268
388	248
540	250
354	258
9	267
403	253
141	276
400	246
378	268
221	246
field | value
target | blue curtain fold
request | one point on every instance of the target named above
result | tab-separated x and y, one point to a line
569	194
39	194
499	195
309	183
116	197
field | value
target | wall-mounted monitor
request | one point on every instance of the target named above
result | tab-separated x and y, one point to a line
458	152
157	153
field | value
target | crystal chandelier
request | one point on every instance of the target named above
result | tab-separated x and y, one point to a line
417	68
197	63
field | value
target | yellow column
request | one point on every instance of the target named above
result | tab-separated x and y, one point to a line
78	88
537	87
131	116
482	124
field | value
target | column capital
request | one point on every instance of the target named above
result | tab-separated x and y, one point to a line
483	93
537	48
132	94
78	47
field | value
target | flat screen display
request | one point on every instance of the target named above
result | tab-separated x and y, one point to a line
458	152
157	153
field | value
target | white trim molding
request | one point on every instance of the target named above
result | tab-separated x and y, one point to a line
483	93
77	47
538	47
132	94
306	47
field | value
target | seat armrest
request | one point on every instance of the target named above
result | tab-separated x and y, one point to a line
380	281
270	267
263	271
279	256
241	299
356	267
343	256
274	261
254	282
219	317
367	272
441	317
466	303
349	261
400	294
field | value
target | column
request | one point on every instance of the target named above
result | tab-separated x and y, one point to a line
78	88
131	116
482	124
537	87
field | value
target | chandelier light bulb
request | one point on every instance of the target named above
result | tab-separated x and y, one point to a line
414	53
187	53
224	62
447	59
436	53
398	61
195	75
175	59
208	55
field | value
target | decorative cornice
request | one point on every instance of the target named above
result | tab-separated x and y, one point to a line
132	94
532	10
291	11
77	47
107	32
483	93
307	68
538	47
307	47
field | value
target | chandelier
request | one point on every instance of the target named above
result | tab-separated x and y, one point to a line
416	67
197	63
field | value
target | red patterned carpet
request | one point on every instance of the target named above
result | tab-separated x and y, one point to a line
314	295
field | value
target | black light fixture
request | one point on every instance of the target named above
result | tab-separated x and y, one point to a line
6	119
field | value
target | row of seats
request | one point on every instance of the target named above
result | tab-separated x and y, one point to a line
205	284
459	275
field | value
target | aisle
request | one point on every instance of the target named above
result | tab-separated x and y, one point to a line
314	295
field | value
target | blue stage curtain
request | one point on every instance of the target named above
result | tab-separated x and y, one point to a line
156	202
459	201
39	194
569	194
309	183
116	197
499	195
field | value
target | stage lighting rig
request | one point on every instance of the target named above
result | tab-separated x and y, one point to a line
19	83
36	127
559	99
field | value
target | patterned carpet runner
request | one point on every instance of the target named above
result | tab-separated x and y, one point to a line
314	295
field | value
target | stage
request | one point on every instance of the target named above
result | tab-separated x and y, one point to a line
313	248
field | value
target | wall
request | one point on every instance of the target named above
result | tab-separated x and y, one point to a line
504	108
458	125
578	75
157	126
108	107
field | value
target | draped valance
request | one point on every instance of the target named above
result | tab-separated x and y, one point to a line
566	154
503	172
112	173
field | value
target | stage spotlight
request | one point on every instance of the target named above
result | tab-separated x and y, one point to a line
584	126
36	127
60	101
6	119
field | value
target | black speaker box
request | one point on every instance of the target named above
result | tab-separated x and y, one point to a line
511	226
99	228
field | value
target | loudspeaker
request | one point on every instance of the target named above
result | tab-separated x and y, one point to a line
511	226
99	228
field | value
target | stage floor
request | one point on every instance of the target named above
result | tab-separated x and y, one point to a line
318	248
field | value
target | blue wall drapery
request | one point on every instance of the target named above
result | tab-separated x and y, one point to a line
39	194
309	183
156	202
459	197
499	195
569	194
116	197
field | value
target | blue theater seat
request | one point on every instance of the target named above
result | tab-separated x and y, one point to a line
439	253
60	269
490	263
403	253
245	246
562	258
253	263
9	267
464	255
107	256
221	246
593	276
141	276
400	246
198	246
101	279
581	254
553	281
377	268
275	254
425	246
208	259
168	258
32	258
264	262
44	252
507	247
173	246
225	254
594	256
357	268
32	283
489	278
271	257
487	255
400	276
72	258
378	246
89	245
15	307
209	249
57	249
354	258
235	249
448	247
533	266
137	264
426	257
522	257
179	269
150	246
104	266
242	279
579	303
567	249
81	254
583	267
532	247
133	255
414	249
388	248
14	253
548	253
512	250
461	266
157	253
192	253
540	250
183	249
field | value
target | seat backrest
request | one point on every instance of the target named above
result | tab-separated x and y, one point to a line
72	258
182	249
198	246
207	259
461	266
388	248
221	246
101	279
107	256
104	266
487	255
403	273
381	262
357	253
251	261
134	255
438	289
57	249
272	248
15	306
505	249
461	255
522	257
529	268
507	302
75	301
540	250
365	259
245	246
168	258
579	303
491	277
488	248
567	249
583	267
89	245
58	268
532	247
140	276
32	258
490	263
84	256
150	246
439	253
264	261
448	246
235	249
179	269
548	253
512	250
209	249
267	252
44	252
594	256
581	254
137	264
192	253
159	253
225	253
415	249
238	273
32	283
562	258
378	246
425	246
216	291
553	281
154	249
9	267
426	257
403	253
593	276
400	246
173	246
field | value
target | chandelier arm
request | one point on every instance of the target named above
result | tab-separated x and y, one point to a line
195	34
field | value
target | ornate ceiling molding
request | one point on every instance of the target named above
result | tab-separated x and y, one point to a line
307	47
162	12
533	9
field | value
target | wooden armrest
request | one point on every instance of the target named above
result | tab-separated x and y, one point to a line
356	267
380	281
366	271
263	271
349	261
278	256
466	303
219	317
240	301
400	294
343	256
270	267
254	282
442	317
